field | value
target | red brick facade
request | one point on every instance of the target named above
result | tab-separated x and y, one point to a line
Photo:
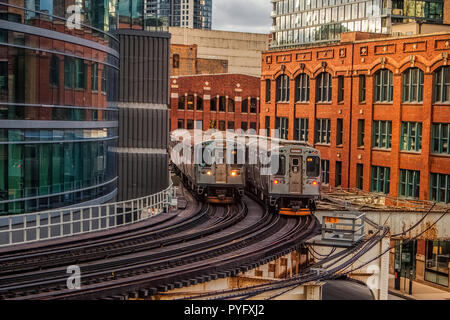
350	59
188	92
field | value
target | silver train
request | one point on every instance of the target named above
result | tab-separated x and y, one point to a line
283	174
210	167
292	185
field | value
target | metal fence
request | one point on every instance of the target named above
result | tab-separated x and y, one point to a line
66	222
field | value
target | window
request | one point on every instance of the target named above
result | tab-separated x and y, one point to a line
383	84
181	102
253	105
325	164
409	183
199	104
190	102
244	126
189	124
244	106
440	187
222	101
180	123
312	167
338	174
382	134
230	125
324	87
267	126
253	126
94	77
436	263
359	176
282	166
80	72
340	88
69	72
380	179
222	125
442	85
440	137
282	125
413	85
301	129
213	104
361	128
362	88
230	105
323	131
268	93
54	71
339	131
411	139
283	88
105	68
176	61
302	88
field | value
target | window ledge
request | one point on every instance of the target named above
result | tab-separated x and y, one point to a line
387	103
381	149
323	144
415	104
443	155
411	152
360	148
327	103
340	146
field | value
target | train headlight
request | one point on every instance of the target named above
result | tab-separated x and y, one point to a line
315	183
235	173
276	181
207	171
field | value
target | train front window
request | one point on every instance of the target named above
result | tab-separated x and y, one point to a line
281	166
312	167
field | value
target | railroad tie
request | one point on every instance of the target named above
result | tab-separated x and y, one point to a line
178	285
193	281
162	288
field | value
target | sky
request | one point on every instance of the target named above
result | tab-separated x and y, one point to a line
242	15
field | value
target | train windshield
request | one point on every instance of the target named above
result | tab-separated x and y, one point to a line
281	166
312	167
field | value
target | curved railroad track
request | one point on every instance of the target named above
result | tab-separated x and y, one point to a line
192	247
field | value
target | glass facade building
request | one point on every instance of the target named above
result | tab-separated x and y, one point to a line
297	22
58	113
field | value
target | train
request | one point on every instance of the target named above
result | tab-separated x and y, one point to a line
292	186
209	166
220	167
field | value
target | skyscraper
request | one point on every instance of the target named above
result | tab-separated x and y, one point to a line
307	21
195	14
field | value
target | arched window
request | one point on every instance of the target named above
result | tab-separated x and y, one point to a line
199	103
253	105
383	85
230	105
176	61
283	88
213	104
244	106
442	85
181	102
302	88
413	85
324	87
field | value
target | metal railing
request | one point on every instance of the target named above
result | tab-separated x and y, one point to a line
66	222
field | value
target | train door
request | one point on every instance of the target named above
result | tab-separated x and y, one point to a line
221	167
295	174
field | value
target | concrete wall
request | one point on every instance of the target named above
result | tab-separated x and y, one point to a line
242	50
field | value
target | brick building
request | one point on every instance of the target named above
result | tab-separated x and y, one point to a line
221	101
376	108
185	61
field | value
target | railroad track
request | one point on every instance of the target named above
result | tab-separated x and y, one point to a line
229	240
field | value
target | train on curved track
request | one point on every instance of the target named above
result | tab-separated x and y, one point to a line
219	167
